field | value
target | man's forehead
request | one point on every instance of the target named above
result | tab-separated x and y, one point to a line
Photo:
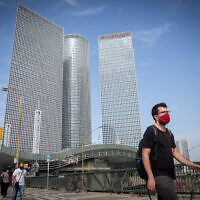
162	108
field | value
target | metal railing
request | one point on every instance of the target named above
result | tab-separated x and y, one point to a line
119	181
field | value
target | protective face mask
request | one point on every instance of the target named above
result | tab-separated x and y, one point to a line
21	167
164	119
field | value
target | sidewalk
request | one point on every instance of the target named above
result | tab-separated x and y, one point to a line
44	194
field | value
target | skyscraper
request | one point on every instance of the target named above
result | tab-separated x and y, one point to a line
55	109
182	147
36	73
76	92
119	95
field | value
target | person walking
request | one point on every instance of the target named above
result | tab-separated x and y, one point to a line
5	183
161	171
18	181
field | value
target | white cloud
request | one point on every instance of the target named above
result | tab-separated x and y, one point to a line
7	4
72	2
89	11
121	11
147	62
150	36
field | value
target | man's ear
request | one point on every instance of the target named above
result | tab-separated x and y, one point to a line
155	117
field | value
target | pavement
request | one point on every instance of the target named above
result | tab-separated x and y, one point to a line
44	194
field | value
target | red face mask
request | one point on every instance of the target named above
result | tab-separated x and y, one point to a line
164	119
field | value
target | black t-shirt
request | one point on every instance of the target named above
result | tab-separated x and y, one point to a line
164	163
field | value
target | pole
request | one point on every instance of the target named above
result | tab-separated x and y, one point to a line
83	140
48	175
82	164
20	116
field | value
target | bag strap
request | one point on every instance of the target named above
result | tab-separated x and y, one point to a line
155	150
155	157
155	141
149	194
169	137
20	175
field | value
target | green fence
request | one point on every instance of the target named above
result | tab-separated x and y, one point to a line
119	180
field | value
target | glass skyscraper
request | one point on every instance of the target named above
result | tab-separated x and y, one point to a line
119	96
182	147
76	92
51	72
36	73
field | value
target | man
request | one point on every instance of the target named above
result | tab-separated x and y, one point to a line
36	166
160	171
18	176
5	183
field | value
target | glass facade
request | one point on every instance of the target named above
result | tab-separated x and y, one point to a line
37	73
182	147
76	92
119	95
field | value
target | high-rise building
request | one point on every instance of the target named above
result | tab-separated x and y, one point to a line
76	92
55	109
182	148
119	95
36	73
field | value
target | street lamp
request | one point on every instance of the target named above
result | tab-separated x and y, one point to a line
6	89
83	140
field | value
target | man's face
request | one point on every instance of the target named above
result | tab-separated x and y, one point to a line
21	165
161	111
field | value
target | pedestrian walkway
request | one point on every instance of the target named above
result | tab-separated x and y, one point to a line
44	194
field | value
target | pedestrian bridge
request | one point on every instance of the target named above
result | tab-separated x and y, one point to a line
111	153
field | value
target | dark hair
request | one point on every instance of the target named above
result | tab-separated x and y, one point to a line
155	108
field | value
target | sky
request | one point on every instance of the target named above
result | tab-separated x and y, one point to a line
166	37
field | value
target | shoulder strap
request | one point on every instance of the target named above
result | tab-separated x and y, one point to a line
155	141
170	133
154	129
169	137
20	175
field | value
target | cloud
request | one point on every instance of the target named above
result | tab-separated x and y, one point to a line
151	36
147	62
89	11
121	11
7	4
72	2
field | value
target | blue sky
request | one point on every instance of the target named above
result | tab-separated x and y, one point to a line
166	36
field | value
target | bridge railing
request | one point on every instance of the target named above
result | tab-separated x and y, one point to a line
118	180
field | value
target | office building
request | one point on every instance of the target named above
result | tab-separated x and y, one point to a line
51	72
182	148
119	94
36	73
76	92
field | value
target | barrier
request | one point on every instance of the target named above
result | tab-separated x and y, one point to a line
118	180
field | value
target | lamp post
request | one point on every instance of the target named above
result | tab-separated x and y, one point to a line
83	143
6	89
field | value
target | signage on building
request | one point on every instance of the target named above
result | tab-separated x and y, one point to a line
115	35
